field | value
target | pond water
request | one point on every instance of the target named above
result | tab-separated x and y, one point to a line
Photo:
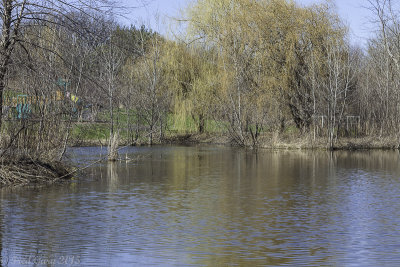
210	206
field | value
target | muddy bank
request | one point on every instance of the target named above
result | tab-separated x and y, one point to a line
32	172
294	142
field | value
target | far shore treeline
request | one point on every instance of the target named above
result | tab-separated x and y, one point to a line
249	73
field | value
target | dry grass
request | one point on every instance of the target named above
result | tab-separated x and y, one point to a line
26	171
308	142
275	140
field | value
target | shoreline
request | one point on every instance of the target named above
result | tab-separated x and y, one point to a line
266	142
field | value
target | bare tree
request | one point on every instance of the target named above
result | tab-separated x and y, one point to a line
17	15
337	85
152	95
112	59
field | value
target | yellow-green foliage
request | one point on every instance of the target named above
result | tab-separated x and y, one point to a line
259	46
190	76
239	66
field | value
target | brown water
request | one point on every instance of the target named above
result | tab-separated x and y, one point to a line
211	206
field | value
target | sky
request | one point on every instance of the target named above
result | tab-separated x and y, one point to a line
356	15
353	12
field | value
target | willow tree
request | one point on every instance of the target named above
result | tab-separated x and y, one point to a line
307	60
231	28
190	72
270	53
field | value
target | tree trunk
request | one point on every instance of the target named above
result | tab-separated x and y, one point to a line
161	129
2	78
202	123
113	147
151	136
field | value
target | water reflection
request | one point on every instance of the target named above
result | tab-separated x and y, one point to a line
213	206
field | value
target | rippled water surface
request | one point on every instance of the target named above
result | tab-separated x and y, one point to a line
210	206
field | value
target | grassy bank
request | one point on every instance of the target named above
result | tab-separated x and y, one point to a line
268	140
177	128
184	130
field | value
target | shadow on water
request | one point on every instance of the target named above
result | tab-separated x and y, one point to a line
208	206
